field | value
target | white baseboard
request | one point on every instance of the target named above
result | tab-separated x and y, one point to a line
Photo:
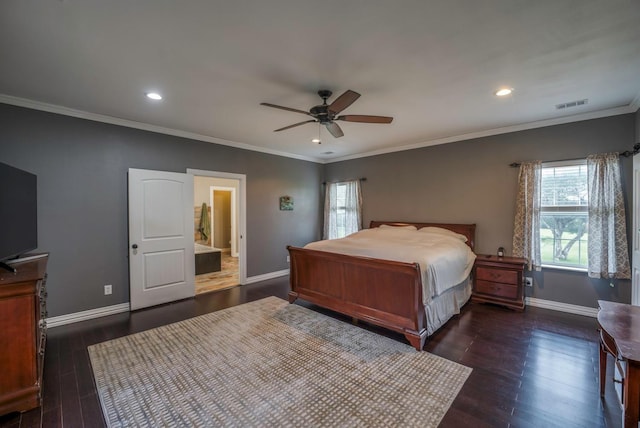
562	307
266	276
87	315
124	307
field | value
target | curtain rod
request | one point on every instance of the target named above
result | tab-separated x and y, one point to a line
341	181
626	154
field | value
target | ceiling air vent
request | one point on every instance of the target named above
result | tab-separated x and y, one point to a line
571	104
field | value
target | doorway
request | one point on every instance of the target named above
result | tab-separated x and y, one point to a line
219	224
224	218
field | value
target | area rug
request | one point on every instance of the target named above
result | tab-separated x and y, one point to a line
270	363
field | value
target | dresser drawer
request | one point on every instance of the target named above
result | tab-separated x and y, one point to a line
497	275
497	289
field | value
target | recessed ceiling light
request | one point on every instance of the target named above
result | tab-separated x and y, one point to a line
154	96
503	92
316	140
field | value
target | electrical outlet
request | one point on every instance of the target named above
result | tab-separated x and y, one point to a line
107	290
528	281
288	259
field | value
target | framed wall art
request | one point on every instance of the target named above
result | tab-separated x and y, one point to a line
286	203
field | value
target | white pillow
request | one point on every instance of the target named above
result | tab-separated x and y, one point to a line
442	231
390	226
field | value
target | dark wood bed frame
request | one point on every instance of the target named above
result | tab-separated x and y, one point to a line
381	292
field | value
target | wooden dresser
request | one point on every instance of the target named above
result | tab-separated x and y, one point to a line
499	280
22	335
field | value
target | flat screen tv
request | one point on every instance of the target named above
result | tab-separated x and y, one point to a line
18	213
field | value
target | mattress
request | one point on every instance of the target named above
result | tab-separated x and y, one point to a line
444	258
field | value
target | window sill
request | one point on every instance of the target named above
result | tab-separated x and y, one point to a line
568	268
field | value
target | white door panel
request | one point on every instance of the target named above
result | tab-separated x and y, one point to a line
163	268
162	217
161	259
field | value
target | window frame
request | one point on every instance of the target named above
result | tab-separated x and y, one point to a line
338	213
564	209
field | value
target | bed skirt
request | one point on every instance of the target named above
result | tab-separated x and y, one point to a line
448	304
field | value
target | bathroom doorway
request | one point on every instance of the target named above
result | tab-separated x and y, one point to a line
218	230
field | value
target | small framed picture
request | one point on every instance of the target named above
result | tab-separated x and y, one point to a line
286	203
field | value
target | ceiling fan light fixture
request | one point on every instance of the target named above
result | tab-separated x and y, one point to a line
503	92
327	114
317	140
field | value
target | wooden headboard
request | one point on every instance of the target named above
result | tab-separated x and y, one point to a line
468	230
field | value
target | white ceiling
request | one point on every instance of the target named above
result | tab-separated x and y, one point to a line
432	65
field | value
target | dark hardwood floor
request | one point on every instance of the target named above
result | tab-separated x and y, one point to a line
533	369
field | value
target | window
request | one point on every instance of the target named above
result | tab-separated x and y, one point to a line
564	214
573	210
342	210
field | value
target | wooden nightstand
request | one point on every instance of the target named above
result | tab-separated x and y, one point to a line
499	280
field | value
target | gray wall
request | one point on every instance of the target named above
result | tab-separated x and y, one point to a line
82	172
637	126
82	202
471	182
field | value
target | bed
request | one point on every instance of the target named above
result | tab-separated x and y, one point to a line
378	290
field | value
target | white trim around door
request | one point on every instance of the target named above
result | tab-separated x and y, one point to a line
241	202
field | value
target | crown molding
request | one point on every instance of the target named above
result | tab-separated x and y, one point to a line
496	131
66	111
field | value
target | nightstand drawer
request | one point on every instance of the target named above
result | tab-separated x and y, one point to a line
496	289
497	275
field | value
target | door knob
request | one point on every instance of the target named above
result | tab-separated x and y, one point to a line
134	246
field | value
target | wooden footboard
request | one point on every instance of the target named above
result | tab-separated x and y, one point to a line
381	292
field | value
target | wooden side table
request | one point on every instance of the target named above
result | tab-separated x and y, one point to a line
620	337
499	280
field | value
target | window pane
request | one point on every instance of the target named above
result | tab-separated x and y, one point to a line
563	239
564	186
341	201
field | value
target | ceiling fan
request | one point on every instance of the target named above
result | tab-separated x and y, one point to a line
326	114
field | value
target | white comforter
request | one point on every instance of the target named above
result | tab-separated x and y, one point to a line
445	260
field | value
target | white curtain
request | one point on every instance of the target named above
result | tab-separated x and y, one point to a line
526	228
342	209
607	244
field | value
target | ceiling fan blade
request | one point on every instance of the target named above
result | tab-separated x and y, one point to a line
343	101
365	118
286	108
334	129
295	124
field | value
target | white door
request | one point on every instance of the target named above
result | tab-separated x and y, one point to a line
161	259
635	254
